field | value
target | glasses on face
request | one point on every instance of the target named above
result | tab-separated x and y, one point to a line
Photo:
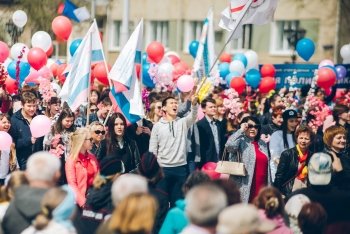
89	139
93	110
253	126
100	132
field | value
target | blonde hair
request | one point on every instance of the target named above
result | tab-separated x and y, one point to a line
50	201
95	124
135	214
78	139
152	110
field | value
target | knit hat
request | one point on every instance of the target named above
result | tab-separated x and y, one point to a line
149	166
110	165
289	114
320	169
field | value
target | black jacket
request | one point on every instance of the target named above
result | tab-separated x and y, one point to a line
21	135
141	140
207	143
287	170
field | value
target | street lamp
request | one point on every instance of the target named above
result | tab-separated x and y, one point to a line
293	36
13	31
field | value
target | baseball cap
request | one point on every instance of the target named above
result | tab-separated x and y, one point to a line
288	114
295	203
247	220
320	169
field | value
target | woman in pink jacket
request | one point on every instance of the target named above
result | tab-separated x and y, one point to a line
81	165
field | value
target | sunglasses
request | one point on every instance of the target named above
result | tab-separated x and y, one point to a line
100	132
253	126
93	110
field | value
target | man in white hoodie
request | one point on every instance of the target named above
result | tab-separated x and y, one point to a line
168	143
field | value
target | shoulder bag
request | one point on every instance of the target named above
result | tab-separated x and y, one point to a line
232	168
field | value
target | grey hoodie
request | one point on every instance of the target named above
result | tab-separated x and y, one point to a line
23	209
168	139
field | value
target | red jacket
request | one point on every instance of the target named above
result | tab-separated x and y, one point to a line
77	176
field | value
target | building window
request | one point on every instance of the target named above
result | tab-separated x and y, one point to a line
245	41
280	36
193	30
158	31
114	36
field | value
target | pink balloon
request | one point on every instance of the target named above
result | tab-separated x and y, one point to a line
32	77
326	62
4	51
45	72
62	27
5	141
185	83
200	114
37	58
40	126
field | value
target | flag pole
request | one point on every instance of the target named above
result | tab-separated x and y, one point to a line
239	20
89	87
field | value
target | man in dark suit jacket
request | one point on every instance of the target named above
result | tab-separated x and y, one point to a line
211	134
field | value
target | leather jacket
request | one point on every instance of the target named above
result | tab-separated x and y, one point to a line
286	171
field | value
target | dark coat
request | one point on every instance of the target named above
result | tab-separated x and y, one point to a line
141	140
207	143
21	135
129	154
287	170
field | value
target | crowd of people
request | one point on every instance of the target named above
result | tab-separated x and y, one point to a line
102	174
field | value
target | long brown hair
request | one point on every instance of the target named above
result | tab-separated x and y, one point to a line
111	137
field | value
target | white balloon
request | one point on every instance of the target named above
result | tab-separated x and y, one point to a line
50	61
345	61
16	51
19	18
252	58
345	52
165	68
41	40
7	62
237	66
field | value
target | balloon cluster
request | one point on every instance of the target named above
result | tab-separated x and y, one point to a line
327	74
232	103
243	69
165	71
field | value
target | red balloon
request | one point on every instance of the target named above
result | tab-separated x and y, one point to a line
155	51
180	69
60	8
62	27
268	70
138	69
267	84
100	73
53	69
49	51
326	78
238	84
173	59
225	58
11	85
59	73
4	51
37	58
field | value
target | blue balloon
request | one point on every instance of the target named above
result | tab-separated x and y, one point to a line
144	57
253	78
224	69
305	48
193	47
24	70
230	76
74	46
146	78
241	57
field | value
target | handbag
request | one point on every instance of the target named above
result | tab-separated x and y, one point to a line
232	168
